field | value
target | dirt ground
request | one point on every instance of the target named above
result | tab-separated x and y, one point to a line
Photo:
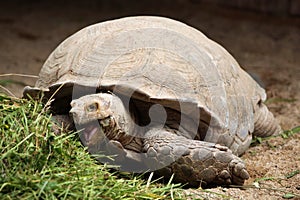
264	45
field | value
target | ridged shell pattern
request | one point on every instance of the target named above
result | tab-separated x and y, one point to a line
161	60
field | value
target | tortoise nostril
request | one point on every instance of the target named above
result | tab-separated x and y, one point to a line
73	113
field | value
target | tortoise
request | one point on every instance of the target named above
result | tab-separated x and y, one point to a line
158	95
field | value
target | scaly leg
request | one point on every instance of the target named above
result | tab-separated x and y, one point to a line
192	161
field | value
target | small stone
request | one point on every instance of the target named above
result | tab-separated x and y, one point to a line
224	189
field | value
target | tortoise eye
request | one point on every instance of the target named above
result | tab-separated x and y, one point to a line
92	107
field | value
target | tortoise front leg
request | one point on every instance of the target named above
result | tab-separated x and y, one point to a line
62	123
192	161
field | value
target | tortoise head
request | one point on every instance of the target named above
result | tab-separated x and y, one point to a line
93	115
100	115
91	107
106	109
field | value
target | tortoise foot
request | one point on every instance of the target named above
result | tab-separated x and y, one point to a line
192	161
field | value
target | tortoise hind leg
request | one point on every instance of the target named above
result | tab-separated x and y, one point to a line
192	161
264	122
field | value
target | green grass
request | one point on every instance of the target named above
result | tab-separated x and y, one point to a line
285	135
37	164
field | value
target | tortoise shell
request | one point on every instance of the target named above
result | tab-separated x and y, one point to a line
158	60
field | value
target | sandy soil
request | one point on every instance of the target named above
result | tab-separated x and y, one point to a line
267	46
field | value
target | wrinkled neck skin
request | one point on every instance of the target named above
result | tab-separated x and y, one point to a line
123	127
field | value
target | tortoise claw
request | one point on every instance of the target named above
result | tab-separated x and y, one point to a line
239	172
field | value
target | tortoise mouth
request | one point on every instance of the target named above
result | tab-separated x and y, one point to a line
91	133
96	131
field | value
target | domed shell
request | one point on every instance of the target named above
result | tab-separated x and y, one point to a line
157	60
